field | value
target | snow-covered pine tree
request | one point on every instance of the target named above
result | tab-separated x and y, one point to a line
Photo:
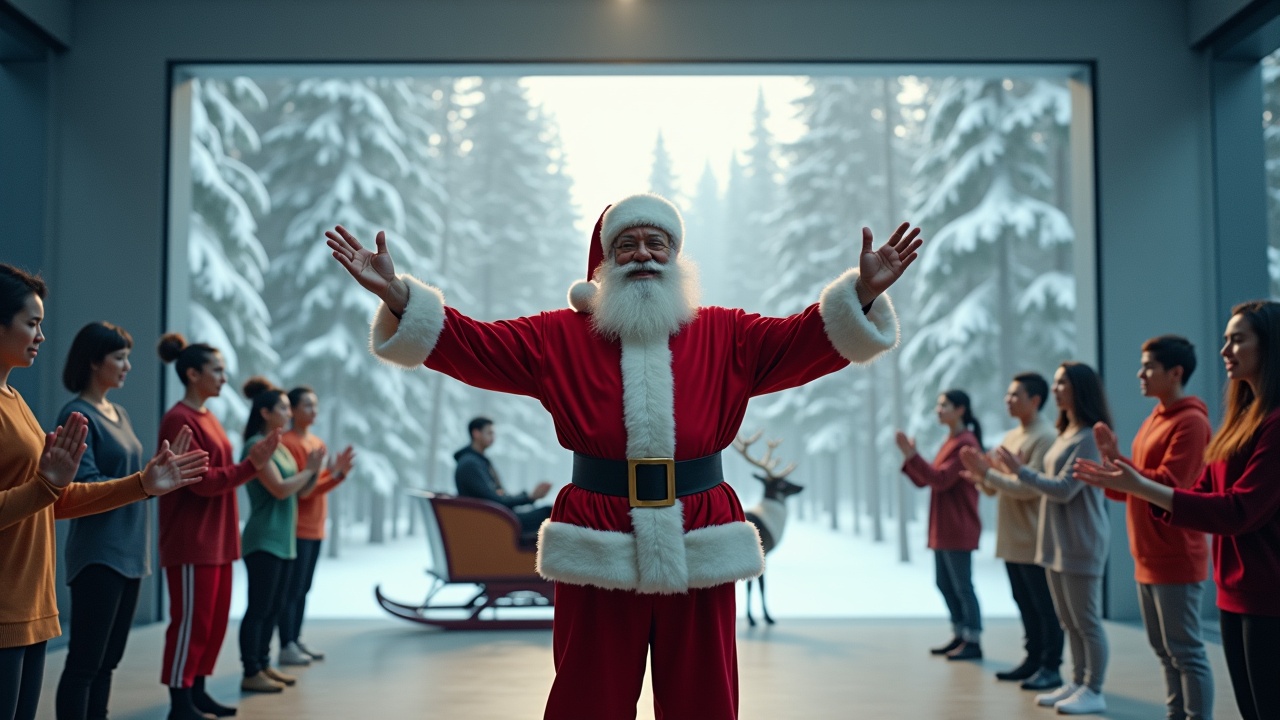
663	179
752	201
704	226
994	294
335	155
528	251
225	256
832	189
440	225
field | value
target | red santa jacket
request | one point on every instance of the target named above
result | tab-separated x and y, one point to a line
684	397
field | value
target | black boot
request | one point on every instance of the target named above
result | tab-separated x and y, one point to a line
206	704
181	707
944	649
1022	672
968	650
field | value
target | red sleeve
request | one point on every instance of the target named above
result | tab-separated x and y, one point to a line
503	356
220	479
787	352
1248	504
944	473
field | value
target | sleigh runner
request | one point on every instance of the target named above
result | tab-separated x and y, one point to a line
475	542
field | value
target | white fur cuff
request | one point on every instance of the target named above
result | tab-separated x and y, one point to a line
408	341
657	559
857	337
721	554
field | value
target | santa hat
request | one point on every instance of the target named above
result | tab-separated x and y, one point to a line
634	211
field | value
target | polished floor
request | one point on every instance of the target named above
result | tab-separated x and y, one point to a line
811	669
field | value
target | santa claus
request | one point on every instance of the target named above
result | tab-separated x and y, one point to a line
646	388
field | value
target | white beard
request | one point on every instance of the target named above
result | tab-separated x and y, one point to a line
645	309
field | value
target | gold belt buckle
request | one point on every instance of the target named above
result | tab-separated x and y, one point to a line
669	500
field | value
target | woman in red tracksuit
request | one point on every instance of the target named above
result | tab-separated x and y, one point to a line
200	532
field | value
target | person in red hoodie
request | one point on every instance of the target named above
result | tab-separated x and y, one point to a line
200	532
1237	499
1170	563
953	520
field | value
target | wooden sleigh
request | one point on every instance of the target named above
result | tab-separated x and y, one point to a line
476	542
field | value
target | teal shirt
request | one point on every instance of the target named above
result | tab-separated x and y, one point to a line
272	523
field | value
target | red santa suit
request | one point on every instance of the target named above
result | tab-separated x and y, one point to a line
630	581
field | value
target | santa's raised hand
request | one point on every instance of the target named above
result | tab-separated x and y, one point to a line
376	272
879	269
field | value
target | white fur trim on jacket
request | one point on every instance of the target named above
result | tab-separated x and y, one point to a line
408	341
648	399
857	337
660	558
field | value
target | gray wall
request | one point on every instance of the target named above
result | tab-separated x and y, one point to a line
1206	16
1157	262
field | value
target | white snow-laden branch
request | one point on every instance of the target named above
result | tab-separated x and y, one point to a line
1002	211
1048	290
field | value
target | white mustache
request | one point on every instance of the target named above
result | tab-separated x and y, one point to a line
642	266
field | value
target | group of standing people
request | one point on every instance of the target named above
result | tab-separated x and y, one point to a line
93	468
1180	481
282	466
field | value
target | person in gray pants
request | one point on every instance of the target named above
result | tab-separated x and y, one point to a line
1170	563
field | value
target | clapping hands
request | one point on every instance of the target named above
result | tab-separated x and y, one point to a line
906	444
63	449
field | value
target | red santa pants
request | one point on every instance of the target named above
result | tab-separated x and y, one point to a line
199	603
600	640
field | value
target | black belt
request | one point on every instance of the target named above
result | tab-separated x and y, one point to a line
647	482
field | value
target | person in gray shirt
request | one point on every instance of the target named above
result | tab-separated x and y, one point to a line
107	554
1073	535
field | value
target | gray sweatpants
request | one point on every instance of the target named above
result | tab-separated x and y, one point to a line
1171	614
1078	602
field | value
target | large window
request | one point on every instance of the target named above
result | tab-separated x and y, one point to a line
488	185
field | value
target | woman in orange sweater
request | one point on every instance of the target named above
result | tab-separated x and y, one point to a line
37	470
313	507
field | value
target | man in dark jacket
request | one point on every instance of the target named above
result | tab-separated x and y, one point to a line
476	478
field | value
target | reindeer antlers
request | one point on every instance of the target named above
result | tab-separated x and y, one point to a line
766	463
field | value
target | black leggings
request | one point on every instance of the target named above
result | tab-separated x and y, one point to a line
295	591
1250	642
102	605
21	671
268	575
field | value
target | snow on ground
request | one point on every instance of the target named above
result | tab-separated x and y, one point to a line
814	573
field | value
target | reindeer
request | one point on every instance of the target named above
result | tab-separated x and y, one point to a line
770	515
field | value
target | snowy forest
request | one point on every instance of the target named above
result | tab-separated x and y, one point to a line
471	181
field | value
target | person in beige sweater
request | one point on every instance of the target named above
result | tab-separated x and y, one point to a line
1017	524
37	470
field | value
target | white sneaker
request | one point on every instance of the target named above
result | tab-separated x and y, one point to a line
1082	702
1053	697
313	654
291	654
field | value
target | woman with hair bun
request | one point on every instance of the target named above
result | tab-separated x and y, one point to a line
200	531
954	526
268	540
37	486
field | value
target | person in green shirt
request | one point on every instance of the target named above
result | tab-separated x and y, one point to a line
268	537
